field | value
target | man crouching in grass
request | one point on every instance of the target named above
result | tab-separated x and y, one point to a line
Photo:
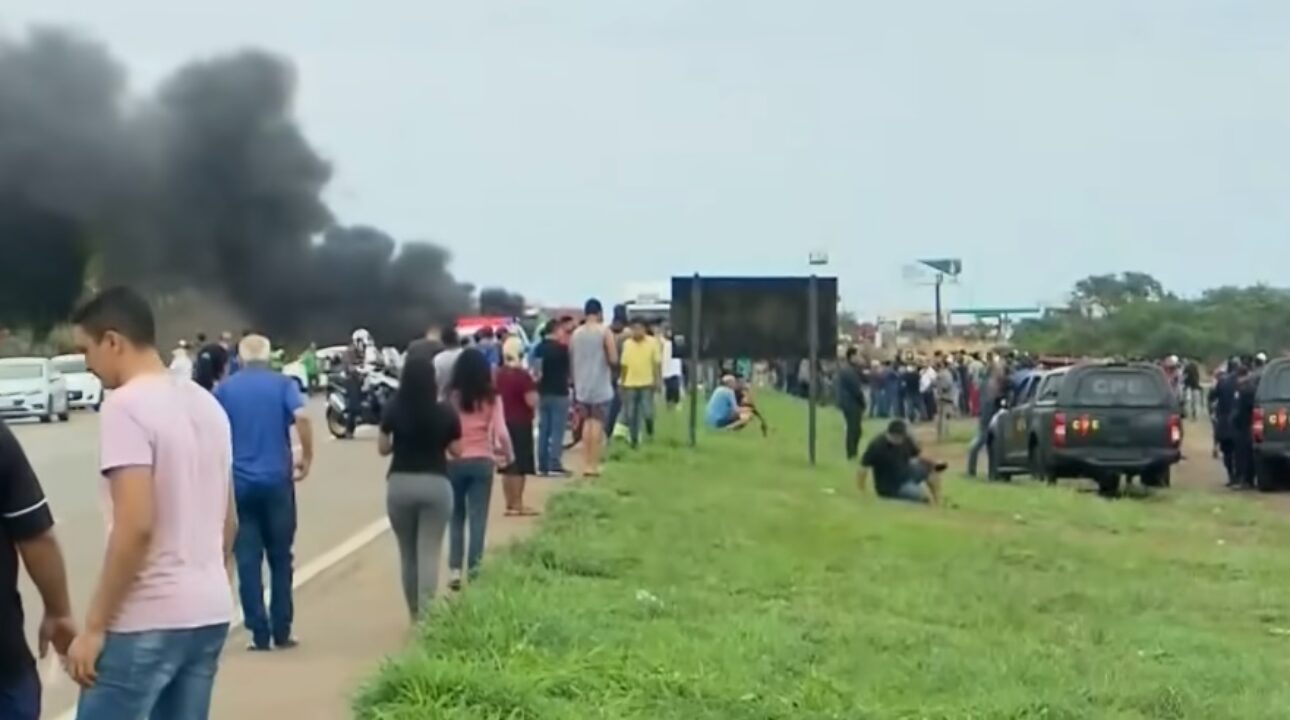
899	471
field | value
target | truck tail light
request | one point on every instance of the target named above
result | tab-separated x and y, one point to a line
1175	430
1059	429
1256	425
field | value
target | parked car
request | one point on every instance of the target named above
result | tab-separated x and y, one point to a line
1270	426
32	388
1103	421
84	390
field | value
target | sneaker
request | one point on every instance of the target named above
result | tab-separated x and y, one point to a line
288	644
258	647
454	581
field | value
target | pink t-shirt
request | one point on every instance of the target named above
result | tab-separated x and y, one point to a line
483	432
178	429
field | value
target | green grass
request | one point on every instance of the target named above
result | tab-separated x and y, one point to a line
734	582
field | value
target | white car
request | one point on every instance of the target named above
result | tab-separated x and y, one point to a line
83	387
296	371
32	388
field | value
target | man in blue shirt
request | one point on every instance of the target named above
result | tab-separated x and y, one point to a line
724	411
262	405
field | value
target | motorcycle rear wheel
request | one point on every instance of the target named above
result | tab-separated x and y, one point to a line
336	424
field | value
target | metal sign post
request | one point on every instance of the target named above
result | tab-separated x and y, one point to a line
696	297
944	267
813	339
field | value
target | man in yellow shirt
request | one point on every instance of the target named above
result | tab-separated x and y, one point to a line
641	360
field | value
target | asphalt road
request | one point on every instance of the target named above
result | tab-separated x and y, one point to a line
344	494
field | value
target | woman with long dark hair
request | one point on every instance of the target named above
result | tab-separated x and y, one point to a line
419	432
485	445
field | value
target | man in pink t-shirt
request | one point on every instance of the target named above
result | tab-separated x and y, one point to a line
160	613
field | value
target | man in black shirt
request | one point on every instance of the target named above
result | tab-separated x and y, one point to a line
899	471
552	367
849	391
1242	436
27	526
210	364
427	347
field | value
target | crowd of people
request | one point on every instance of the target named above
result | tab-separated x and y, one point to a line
918	389
200	460
1231	403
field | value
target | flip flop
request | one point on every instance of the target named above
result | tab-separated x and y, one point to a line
528	512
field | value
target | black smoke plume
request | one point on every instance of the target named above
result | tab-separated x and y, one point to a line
208	183
500	301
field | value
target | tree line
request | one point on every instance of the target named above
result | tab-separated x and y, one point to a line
1131	314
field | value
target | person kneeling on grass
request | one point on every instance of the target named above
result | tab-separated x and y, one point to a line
743	395
899	471
724	409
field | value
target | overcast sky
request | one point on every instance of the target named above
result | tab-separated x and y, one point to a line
571	147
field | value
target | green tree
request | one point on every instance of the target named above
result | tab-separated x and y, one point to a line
1131	315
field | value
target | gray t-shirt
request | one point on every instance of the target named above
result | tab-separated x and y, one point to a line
593	380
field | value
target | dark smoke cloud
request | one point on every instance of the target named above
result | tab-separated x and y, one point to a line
63	163
499	301
208	184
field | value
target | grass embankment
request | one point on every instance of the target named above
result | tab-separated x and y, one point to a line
734	582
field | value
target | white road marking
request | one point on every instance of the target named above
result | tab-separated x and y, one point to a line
53	673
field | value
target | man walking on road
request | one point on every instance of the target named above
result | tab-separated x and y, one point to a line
160	613
262	405
27	529
593	353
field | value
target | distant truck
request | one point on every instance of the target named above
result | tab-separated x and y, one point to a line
648	302
1270	426
1104	421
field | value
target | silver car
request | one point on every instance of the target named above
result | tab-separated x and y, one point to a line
32	388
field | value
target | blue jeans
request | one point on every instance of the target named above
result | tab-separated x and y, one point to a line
156	674
472	490
636	410
20	697
553	416
266	529
913	488
979	444
611	420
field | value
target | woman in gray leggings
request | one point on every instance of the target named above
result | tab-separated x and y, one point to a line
419	433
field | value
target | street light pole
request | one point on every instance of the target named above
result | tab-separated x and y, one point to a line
817	258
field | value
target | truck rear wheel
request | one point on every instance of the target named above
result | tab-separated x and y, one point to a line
1157	477
1108	484
1268	473
1039	469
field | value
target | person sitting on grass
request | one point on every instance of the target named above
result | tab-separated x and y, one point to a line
743	395
899	470
724	411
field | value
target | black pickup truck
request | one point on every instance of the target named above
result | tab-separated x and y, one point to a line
1270	427
1097	420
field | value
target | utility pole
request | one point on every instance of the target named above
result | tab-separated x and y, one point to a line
940	315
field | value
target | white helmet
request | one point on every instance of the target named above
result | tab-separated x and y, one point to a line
1173	359
362	337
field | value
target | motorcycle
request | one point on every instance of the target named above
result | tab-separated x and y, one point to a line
376	388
